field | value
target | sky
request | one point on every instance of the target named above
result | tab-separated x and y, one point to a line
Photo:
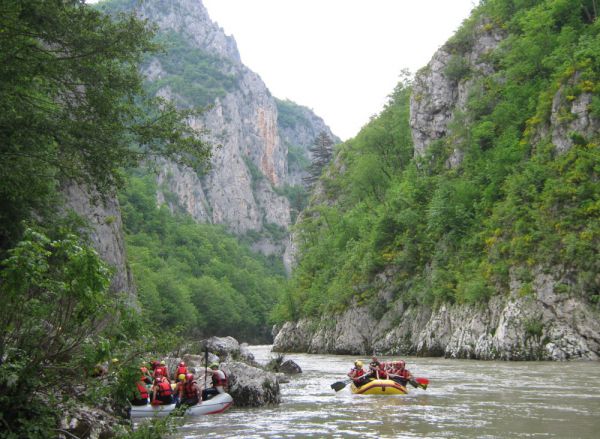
340	58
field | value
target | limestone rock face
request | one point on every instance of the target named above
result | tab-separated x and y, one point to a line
250	160
438	95
106	232
571	114
545	326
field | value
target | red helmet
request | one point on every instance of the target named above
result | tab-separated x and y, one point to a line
189	377
182	364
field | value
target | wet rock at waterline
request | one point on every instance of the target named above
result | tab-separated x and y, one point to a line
290	367
250	386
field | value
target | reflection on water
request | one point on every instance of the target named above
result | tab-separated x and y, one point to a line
465	398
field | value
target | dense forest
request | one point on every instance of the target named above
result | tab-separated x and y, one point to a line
195	278
515	202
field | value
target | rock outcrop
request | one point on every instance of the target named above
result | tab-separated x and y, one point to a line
106	232
441	89
250	386
549	325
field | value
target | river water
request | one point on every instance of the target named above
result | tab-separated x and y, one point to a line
465	399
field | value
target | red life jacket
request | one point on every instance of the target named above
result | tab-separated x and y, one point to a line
181	370
189	390
161	370
357	372
143	390
217	380
164	388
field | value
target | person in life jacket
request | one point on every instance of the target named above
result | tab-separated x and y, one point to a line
146	376
162	370
399	372
219	382
376	369
181	370
161	390
357	374
188	390
140	394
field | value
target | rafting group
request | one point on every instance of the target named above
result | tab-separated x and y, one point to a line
389	377
157	393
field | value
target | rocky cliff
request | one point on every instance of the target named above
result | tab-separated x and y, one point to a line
548	324
249	167
106	232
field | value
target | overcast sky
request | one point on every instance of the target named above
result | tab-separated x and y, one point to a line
341	58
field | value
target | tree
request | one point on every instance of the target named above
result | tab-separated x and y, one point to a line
321	153
72	106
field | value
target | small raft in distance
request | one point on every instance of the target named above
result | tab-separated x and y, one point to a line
217	404
380	387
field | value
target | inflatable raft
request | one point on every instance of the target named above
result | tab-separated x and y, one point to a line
217	404
380	387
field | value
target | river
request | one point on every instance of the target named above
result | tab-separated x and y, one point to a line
465	399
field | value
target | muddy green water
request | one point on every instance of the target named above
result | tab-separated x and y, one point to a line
465	399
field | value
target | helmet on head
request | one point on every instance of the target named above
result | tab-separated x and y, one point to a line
181	377
162	363
401	364
115	360
358	363
182	364
189	377
214	366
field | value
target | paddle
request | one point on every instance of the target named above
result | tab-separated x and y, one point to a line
205	364
415	382
423	382
340	384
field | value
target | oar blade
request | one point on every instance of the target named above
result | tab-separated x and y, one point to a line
338	386
422	382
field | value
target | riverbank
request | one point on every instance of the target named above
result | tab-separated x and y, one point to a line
545	325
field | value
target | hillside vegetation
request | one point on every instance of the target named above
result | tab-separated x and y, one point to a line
195	278
514	204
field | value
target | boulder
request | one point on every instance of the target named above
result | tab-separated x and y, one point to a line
250	386
290	367
223	347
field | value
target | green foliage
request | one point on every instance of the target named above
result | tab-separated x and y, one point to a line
291	115
55	291
457	68
195	76
195	277
70	86
453	235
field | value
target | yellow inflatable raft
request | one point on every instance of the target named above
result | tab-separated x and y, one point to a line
380	387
